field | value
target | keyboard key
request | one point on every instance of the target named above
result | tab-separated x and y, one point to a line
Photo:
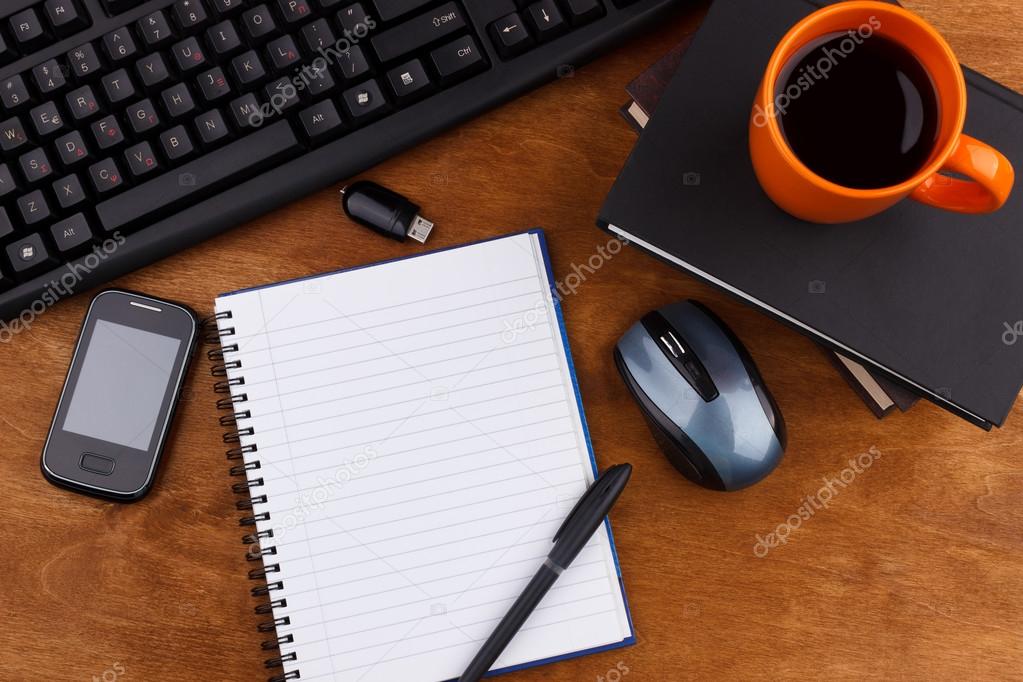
105	176
259	23
247	112
153	71
6	226
262	148
409	81
353	63
317	36
213	85
82	103
117	86
65	17
320	81
68	191
119	45
176	143
6	55
546	19
583	11
12	135
107	132
155	30
353	18
188	55
283	53
223	38
211	127
115	7
35	166
320	121
27	29
364	102
142	117
33	208
224	7
458	59
46	119
141	160
510	35
294	11
281	95
49	77
189	13
71	149
177	100
248	69
28	254
7	183
13	93
418	32
392	9
71	233
84	61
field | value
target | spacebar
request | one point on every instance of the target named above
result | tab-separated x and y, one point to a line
199	176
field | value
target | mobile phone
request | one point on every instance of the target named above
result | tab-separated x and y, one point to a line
118	401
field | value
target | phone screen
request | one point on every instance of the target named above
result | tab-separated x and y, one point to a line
124	379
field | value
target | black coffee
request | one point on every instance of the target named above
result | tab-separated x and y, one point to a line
859	111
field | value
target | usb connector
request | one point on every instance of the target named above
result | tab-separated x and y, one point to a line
421	229
384	211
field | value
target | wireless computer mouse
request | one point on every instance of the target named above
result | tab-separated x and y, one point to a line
702	396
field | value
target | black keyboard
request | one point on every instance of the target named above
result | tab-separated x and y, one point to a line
132	130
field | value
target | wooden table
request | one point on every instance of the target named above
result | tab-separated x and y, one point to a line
915	570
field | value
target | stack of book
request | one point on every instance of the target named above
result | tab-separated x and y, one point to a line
911	303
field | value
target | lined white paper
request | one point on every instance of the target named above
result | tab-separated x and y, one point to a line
419	442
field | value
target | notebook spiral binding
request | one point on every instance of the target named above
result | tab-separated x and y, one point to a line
247	490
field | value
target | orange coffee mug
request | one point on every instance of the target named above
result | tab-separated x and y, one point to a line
798	190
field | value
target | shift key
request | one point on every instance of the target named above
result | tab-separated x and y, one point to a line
419	32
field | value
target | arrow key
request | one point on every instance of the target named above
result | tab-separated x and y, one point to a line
510	35
546	19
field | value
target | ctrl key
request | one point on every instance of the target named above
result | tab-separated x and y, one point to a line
458	59
28	254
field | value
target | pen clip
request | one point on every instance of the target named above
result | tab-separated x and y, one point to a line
583	500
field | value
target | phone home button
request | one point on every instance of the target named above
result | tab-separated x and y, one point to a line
97	464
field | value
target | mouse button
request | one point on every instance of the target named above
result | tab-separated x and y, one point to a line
676	349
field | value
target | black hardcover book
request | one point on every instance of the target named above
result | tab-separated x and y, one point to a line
921	294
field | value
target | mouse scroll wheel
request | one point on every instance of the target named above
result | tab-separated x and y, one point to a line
673	345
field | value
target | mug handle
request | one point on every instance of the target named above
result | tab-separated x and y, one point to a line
991	178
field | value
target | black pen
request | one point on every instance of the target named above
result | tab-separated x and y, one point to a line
581	523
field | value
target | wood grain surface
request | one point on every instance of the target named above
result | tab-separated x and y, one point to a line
914	570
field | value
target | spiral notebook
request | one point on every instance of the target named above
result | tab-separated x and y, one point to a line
411	436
